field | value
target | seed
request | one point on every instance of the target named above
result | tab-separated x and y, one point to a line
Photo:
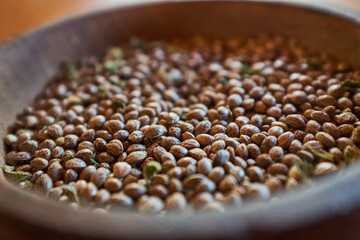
99	177
258	191
249	130
136	158
175	202
121	200
121	169
105	157
96	122
154	131
202	199
255	174
222	157
71	141
102	196
38	164
43	183
285	139
55	171
190	144
113	185
277	168
134	190
115	147
296	121
151	205
87	173
324	168
205	139
227	183
320	116
325	100
298	97
20	158
326	139
346	117
76	164
192	180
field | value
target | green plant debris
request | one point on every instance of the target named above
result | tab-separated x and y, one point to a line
321	154
16	176
305	170
92	160
150	170
71	191
246	69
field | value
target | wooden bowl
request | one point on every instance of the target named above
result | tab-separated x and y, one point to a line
328	210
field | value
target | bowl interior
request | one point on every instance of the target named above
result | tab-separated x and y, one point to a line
27	64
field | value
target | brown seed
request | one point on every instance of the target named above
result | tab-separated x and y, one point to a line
134	190
76	164
326	139
20	158
324	168
154	131
99	176
105	157
96	122
55	171
276	153
325	100
151	205
136	158
346	117
249	130
285	139
190	144
115	147
296	121
255	174
121	200
87	173
43	183
121	169
227	183
320	116
263	160
176	202
113	185
222	157
38	164
258	191
277	168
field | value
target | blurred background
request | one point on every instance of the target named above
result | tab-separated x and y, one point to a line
17	16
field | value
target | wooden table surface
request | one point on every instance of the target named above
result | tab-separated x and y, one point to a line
17	16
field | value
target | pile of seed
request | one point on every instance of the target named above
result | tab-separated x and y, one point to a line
187	124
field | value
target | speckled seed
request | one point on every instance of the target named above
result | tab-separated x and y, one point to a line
154	131
76	164
151	205
134	190
99	176
87	172
326	139
121	169
136	158
324	168
43	183
258	191
175	202
115	147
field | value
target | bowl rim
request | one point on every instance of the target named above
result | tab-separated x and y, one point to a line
233	220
